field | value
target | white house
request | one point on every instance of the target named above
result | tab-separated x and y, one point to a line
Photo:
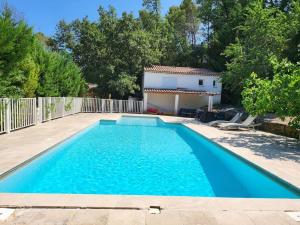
169	88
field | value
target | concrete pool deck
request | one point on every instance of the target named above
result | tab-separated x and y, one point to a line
276	154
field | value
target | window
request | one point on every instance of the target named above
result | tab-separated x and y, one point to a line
214	83
201	82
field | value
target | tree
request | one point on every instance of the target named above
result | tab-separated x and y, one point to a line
178	48
293	42
153	6
262	36
111	52
280	95
31	71
16	41
192	21
28	68
220	19
59	76
183	26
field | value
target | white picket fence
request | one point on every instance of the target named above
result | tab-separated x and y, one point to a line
20	113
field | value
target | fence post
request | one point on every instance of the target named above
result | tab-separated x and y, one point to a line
102	105
130	103
111	105
34	110
63	106
141	106
81	101
74	105
50	109
83	108
120	106
7	115
40	110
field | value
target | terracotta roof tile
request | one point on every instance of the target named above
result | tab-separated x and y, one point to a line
181	70
179	91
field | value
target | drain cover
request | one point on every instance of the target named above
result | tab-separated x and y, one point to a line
5	213
154	210
294	215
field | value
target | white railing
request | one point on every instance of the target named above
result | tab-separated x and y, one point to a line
92	105
3	114
17	113
23	112
56	107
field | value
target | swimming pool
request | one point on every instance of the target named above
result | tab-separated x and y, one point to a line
143	156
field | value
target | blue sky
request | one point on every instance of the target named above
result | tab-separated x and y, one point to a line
43	15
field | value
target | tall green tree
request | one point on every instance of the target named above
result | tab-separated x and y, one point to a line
262	36
152	6
192	21
16	42
183	25
220	19
293	50
28	68
111	52
279	95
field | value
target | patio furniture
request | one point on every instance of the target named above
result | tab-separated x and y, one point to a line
248	123
184	112
205	116
223	114
233	120
199	112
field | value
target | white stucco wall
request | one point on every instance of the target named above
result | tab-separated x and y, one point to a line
192	101
163	102
196	101
173	81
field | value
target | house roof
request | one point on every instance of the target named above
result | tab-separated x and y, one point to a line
179	91
181	70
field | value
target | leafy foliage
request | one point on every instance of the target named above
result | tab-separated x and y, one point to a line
281	95
153	6
262	36
113	51
16	40
28	68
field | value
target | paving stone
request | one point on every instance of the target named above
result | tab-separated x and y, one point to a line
165	218
41	217
266	218
90	217
197	217
232	218
126	217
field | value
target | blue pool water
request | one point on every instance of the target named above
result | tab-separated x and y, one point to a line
143	156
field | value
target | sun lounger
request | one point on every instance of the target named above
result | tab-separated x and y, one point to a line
248	123
233	120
